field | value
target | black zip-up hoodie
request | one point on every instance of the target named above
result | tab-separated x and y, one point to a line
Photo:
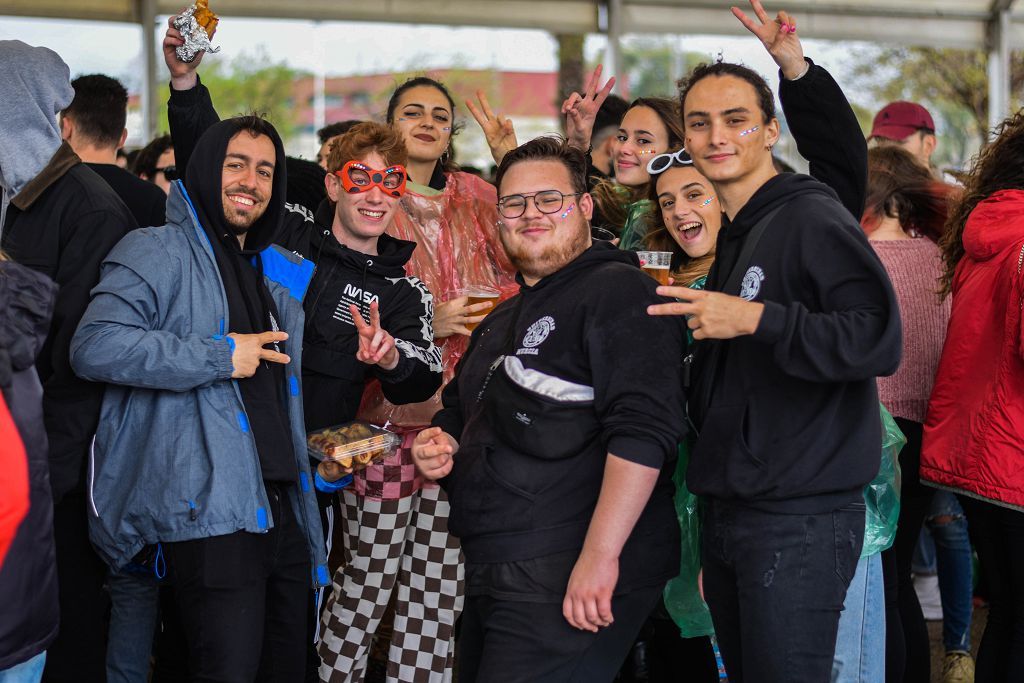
788	416
251	309
333	379
582	325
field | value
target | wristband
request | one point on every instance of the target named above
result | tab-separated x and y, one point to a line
330	486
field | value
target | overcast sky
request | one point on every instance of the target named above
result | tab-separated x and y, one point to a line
359	48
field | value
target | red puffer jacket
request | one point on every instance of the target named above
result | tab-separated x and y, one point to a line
974	433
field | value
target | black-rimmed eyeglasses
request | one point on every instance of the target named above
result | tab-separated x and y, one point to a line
546	201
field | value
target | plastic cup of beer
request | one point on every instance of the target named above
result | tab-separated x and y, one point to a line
477	294
656	264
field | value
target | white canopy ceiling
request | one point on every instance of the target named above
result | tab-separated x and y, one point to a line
946	23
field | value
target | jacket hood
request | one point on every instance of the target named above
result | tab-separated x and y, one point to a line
203	183
778	190
389	261
996	224
26	305
35	85
598	252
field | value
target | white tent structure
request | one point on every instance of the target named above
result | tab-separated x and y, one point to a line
991	25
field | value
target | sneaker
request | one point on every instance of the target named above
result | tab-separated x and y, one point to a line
958	667
927	588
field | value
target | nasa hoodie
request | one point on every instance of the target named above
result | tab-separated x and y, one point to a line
788	416
332	378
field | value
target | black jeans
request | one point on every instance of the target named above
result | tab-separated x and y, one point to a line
998	536
908	657
243	600
504	641
80	651
775	584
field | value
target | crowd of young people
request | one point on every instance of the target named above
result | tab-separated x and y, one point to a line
744	457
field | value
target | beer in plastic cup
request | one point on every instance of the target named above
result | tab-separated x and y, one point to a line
477	294
656	264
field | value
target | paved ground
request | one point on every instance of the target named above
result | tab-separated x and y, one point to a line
935	631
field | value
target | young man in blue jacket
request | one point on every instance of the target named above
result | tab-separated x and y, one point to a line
197	328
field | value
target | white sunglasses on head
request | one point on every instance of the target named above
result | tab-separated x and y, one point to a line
663	162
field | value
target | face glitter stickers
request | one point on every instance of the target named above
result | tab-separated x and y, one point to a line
568	212
749	131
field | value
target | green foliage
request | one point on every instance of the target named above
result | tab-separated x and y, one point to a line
655	64
952	84
248	83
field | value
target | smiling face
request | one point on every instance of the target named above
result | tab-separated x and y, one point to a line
247	179
537	243
641	136
726	133
361	217
423	117
689	210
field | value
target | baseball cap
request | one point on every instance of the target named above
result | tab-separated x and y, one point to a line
900	120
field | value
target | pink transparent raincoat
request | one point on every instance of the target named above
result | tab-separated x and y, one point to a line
457	245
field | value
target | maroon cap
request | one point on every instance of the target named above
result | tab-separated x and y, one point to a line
900	120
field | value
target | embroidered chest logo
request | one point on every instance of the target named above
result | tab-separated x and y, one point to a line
536	335
751	285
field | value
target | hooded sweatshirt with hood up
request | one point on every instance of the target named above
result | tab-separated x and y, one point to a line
251	309
788	416
60	219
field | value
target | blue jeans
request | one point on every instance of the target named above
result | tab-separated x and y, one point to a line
134	611
26	672
860	645
949	555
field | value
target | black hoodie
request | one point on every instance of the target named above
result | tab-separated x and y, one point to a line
251	309
788	416
332	378
583	325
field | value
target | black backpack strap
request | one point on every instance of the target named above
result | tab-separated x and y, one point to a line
739	269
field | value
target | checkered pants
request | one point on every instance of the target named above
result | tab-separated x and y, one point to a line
405	539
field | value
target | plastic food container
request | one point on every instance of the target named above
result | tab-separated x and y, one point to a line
353	445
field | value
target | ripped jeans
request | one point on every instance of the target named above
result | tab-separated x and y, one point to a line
775	584
945	549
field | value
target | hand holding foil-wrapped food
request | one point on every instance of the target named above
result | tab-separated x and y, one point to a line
197	25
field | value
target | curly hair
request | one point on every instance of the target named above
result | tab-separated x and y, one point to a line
999	166
363	138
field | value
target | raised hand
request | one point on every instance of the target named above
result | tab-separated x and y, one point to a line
778	37
498	129
249	352
183	75
580	111
376	346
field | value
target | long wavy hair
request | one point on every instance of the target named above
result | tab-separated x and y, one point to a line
614	199
999	166
900	187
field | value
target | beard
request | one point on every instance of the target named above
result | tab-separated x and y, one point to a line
536	264
237	221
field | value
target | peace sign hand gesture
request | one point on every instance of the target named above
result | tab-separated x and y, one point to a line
778	37
498	129
376	346
580	111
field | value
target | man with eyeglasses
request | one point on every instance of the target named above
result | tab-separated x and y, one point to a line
94	126
557	440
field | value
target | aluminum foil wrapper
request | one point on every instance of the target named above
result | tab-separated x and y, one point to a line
196	39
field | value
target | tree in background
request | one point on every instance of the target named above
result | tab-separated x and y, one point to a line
952	84
654	64
248	83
